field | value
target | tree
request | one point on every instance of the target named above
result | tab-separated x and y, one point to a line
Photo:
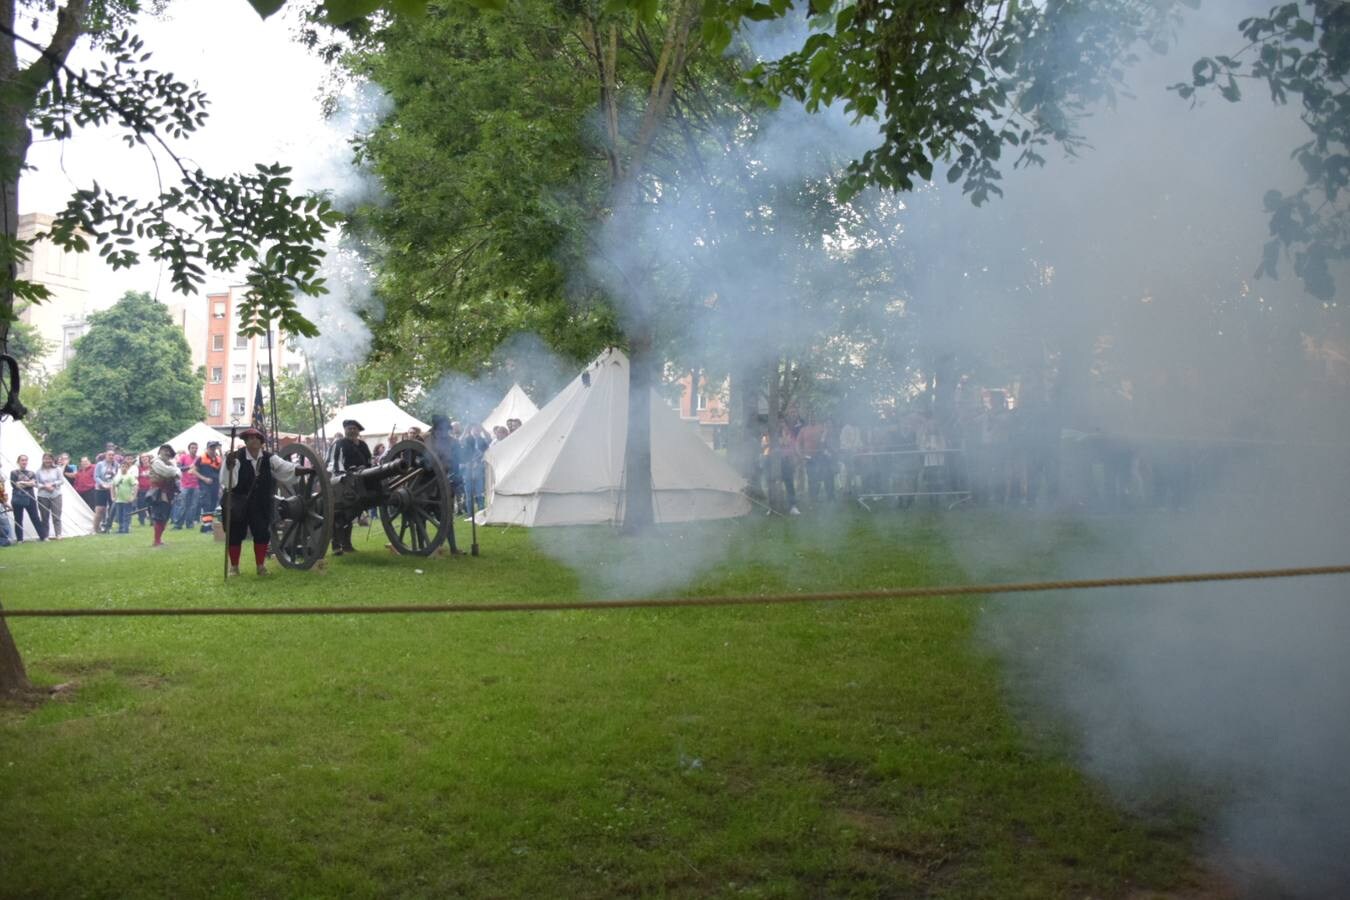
1300	50
248	220
515	136
130	382
296	410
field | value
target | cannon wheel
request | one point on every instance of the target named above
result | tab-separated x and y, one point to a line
415	507
303	526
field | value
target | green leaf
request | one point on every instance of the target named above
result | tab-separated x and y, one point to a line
342	11
265	8
716	34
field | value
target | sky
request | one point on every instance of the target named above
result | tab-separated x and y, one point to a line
264	91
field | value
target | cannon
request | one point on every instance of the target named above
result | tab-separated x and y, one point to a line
409	488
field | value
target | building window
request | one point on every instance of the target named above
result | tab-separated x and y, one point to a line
217	374
218	309
238	373
217	342
214	406
293	369
240	342
702	401
236	406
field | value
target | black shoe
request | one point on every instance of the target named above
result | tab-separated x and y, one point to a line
349	549
337	551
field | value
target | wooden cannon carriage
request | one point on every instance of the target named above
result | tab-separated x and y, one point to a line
409	487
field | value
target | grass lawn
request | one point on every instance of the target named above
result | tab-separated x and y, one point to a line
854	749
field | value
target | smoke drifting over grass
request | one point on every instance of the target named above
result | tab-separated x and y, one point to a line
1134	261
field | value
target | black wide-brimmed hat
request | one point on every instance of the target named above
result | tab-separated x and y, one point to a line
252	432
352	423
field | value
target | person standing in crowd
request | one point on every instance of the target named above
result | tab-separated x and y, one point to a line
475	444
787	465
499	433
23	491
207	468
51	479
445	445
349	454
84	481
143	488
67	468
190	505
164	477
124	492
249	478
850	445
6	520
105	470
818	459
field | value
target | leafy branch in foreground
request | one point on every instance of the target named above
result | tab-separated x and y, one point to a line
250	220
1302	51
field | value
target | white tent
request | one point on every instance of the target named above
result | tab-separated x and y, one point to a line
515	405
200	434
378	418
15	441
565	465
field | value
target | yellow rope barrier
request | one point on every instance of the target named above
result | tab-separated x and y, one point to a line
910	593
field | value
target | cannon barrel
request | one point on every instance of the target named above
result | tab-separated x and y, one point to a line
372	474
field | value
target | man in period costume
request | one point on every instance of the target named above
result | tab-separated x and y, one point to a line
250	478
349	454
164	477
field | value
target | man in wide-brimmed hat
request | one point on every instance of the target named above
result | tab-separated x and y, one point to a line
251	475
349	454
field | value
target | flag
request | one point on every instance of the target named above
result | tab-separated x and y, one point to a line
259	416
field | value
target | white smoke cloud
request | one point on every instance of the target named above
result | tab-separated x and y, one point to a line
1139	253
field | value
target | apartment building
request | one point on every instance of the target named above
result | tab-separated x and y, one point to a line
235	363
64	317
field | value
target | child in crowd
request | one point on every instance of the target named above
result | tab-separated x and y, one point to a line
124	496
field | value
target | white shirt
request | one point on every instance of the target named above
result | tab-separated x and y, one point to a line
283	470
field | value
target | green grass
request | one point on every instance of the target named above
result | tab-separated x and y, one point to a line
856	749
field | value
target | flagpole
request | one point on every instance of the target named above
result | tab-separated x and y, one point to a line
272	387
226	499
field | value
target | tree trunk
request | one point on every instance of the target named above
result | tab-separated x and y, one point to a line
13	678
638	511
16	102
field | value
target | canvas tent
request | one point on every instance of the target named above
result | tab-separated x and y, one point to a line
515	405
200	434
378	417
565	466
15	441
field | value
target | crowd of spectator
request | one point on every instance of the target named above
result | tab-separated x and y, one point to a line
988	451
119	488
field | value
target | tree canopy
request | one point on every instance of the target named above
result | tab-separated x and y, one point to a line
130	382
249	221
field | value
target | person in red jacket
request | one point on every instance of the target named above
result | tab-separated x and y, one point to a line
84	481
143	488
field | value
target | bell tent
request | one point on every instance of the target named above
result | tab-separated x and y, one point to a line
378	418
200	434
515	405
566	465
16	440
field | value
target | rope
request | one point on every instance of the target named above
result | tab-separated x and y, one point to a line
911	593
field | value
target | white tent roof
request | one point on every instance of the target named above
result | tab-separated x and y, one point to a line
15	441
565	465
515	405
199	434
378	418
